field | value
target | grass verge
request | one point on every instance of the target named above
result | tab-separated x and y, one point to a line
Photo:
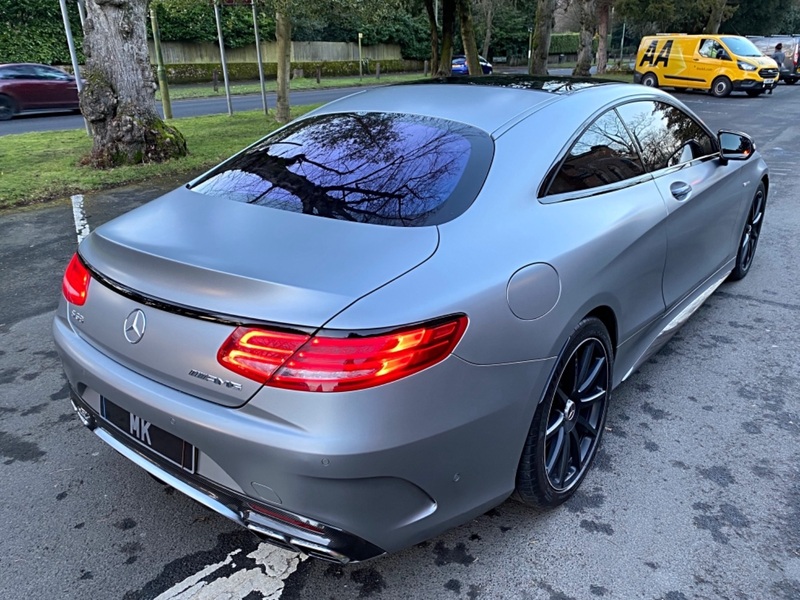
37	167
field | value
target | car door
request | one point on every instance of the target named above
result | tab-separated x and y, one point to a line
707	59
602	188
701	197
24	87
55	88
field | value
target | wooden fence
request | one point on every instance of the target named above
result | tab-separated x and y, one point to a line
207	52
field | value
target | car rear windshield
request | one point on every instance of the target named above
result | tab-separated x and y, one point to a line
383	168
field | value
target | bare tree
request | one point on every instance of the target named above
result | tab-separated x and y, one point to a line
430	9
717	16
448	30
468	37
540	42
588	25
119	96
283	35
603	17
487	6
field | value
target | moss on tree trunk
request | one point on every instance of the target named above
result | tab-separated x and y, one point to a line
118	98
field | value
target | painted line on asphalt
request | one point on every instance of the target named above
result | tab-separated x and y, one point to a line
272	566
79	216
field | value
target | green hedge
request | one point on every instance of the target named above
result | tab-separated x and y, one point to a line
204	72
567	43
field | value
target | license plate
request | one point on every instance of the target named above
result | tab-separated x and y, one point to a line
161	442
768	81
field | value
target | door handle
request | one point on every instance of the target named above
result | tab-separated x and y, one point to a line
680	190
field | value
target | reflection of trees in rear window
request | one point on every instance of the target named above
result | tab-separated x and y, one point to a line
375	167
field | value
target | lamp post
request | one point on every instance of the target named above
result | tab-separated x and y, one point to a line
360	61
161	72
530	47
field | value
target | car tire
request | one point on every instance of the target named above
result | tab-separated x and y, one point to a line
568	423
721	87
650	80
790	81
748	242
7	108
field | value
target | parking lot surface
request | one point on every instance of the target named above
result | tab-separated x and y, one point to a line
695	493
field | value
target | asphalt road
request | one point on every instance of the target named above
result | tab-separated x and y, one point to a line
695	494
180	108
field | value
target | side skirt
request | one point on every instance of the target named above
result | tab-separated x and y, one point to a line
675	319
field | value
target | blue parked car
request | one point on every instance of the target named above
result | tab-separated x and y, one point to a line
459	65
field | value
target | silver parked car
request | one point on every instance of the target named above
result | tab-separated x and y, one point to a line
390	315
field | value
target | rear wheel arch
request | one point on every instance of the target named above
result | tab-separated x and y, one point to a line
609	318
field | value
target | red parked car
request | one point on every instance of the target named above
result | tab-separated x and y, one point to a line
32	87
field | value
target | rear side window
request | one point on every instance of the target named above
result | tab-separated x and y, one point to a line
667	135
604	154
382	168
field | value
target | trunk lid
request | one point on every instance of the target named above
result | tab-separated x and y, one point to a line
197	265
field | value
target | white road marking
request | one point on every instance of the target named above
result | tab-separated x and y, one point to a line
274	566
79	215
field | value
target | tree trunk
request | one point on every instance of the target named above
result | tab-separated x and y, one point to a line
119	96
716	16
283	34
540	42
603	15
434	35
448	29
468	37
585	40
487	39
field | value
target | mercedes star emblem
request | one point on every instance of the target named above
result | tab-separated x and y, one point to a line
134	326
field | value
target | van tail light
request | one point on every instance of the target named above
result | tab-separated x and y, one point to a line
75	284
324	363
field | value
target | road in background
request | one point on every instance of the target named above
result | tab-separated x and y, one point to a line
695	493
180	108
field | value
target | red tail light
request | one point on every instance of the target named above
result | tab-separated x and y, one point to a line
75	284
337	364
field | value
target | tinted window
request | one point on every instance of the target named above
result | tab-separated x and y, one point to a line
379	168
43	72
604	154
17	72
666	134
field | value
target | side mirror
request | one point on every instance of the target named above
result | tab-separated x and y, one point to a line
735	146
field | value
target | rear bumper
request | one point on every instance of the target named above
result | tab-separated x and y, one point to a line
362	473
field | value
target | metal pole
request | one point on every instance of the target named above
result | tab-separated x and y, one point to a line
73	55
530	48
622	42
160	70
222	58
258	58
82	14
360	61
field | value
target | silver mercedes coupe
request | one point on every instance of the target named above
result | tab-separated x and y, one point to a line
396	312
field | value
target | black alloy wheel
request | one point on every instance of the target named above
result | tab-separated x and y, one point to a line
750	235
569	422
